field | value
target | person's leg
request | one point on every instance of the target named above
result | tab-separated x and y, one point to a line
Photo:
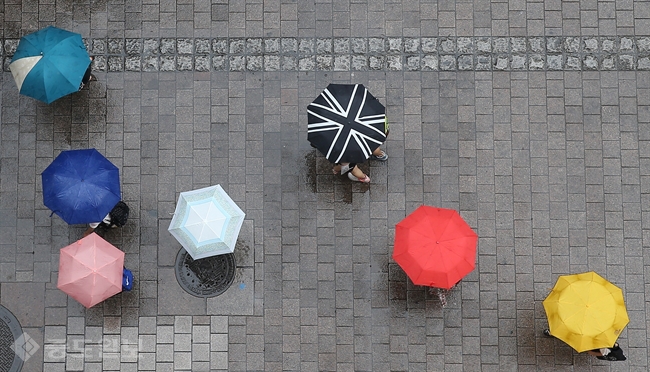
88	231
379	154
88	76
357	174
342	168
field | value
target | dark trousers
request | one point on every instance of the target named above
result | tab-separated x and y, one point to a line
86	77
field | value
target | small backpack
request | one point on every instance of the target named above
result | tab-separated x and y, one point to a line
119	214
615	354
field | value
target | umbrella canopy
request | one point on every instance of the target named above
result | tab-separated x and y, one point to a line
206	222
586	311
90	270
49	64
346	123
81	186
435	247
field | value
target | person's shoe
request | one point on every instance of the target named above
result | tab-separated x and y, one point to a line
547	333
382	157
352	177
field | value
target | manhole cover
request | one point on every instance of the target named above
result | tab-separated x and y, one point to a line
206	277
10	332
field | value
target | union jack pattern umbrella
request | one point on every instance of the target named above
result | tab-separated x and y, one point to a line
346	123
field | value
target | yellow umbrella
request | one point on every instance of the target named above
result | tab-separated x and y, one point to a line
586	311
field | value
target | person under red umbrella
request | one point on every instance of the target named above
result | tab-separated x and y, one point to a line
435	247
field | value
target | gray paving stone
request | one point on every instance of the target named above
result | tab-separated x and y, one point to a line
184	63
76	325
167	46
133	46
376	45
254	46
98	46
132	63
182	361
115	63
341	45
323	46
165	334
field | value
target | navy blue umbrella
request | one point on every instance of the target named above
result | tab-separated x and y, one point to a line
81	186
346	123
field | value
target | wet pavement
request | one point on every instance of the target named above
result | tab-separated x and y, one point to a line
532	119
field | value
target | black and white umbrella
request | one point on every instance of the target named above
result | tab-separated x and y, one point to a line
346	123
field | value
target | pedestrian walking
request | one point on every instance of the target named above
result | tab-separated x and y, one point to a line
48	64
614	353
347	124
88	76
117	217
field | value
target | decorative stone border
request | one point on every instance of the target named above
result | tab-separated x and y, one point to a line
552	53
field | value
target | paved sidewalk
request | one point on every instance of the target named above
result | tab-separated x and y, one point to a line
531	118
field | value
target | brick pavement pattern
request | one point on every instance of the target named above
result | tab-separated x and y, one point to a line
532	118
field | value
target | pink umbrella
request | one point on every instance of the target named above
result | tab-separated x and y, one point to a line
90	270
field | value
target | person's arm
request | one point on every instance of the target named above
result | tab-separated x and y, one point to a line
91	227
88	231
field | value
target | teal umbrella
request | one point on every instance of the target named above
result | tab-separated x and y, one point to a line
49	64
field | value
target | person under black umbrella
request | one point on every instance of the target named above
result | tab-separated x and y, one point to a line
347	124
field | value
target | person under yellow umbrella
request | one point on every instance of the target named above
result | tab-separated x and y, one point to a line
588	313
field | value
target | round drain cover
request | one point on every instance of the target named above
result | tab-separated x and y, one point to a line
205	277
11	338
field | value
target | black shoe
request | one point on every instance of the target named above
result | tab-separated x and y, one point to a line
547	333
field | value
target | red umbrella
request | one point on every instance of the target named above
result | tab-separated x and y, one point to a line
90	270
435	247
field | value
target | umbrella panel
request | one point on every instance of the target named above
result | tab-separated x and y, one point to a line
205	222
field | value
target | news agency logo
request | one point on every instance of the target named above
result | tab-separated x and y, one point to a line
25	347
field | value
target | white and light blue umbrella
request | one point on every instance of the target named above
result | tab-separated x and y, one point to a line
49	64
206	222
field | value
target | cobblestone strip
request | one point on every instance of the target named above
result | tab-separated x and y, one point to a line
179	343
359	54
